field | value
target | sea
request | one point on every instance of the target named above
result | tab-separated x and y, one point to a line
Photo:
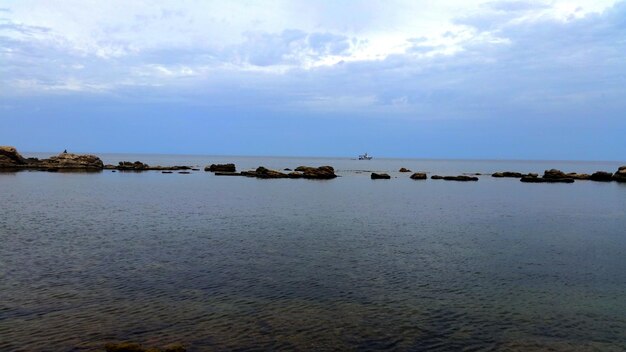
350	264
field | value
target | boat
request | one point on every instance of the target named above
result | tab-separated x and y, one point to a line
365	157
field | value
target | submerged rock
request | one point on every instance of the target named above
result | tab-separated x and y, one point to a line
228	173
402	169
454	178
221	167
554	174
508	174
577	176
419	176
528	179
376	176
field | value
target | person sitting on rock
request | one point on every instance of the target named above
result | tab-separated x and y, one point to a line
65	151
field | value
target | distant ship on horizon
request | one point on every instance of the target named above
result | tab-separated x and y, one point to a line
365	157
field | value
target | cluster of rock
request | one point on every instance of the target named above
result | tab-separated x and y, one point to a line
10	158
306	172
135	347
558	176
139	166
402	169
419	176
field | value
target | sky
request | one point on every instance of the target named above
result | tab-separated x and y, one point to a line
471	79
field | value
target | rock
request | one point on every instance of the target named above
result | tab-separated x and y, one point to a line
375	176
554	173
184	172
508	174
454	178
221	167
166	172
419	176
262	172
576	176
620	174
287	169
601	176
295	175
70	161
132	166
228	174
528	179
404	170
319	173
9	157
110	167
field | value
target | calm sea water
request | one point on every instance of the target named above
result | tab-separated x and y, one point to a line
231	263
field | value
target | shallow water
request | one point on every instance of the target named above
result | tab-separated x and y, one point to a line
224	263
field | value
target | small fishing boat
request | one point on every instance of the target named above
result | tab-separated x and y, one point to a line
365	157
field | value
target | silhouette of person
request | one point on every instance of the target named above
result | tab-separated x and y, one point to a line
65	151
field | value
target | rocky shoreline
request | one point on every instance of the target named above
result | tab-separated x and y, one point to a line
12	160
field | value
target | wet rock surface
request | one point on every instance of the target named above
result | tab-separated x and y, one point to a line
379	176
221	168
419	176
404	170
462	178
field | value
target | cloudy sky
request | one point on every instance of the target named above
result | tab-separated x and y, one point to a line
425	79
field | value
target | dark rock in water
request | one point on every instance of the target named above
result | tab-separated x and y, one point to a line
10	158
295	175
184	172
402	169
454	178
419	176
110	167
601	176
132	166
577	176
113	170
375	176
221	167
286	169
620	174
528	179
70	161
262	172
135	347
228	174
164	172
195	169
318	173
554	174
508	174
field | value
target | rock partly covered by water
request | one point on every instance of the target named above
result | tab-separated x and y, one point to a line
318	173
139	166
402	169
454	178
508	174
528	179
601	176
379	176
135	347
620	174
221	168
265	173
419	176
10	158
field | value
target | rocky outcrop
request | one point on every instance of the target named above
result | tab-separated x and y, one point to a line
314	173
577	176
454	178
10	158
376	176
419	176
508	174
262	172
221	168
404	170
601	176
135	347
70	161
139	166
620	174
528	179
